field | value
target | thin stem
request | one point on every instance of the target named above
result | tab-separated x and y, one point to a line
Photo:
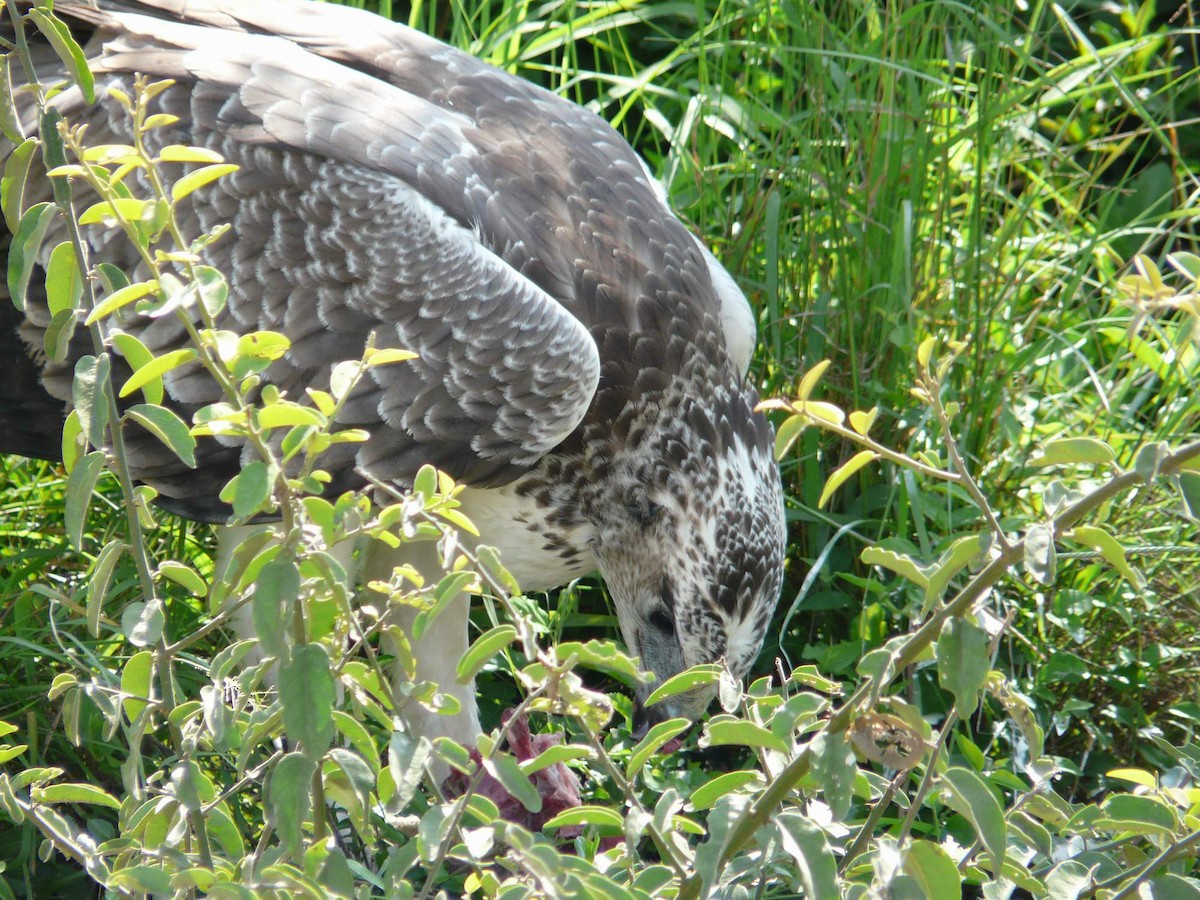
968	482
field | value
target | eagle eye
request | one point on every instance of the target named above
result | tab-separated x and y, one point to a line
661	622
642	509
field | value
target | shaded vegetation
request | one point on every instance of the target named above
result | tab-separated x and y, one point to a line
873	174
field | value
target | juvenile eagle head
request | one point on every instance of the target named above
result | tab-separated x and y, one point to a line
691	541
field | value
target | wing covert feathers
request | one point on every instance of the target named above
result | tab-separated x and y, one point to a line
392	188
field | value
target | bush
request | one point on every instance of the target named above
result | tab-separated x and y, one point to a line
1005	521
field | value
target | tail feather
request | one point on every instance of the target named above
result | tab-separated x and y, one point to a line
31	421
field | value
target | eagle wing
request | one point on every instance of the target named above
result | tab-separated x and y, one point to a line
354	218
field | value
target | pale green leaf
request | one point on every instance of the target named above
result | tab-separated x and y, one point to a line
1073	451
288	798
506	770
1100	540
156	368
970	796
690	679
119	298
653	741
79	494
963	663
306	693
136	686
806	843
486	646
598	816
64	282
168	428
844	472
76	793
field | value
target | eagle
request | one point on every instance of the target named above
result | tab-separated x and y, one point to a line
581	357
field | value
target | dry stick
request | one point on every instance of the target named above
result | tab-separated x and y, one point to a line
1180	847
761	810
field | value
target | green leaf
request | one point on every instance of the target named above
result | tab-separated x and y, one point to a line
16	172
605	656
149	880
184	576
213	288
1110	548
79	495
1068	880
723	731
970	796
99	578
1188	484
901	564
119	298
270	345
844	472
805	842
180	153
24	247
358	736
934	870
408	758
1083	451
156	368
962	658
705	796
555	754
599	816
64	283
110	212
690	679
199	178
1041	561
1138	814
306	693
486	646
138	355
10	122
425	482
142	623
388	356
357	770
57	339
953	561
287	415
834	769
506	770
65	47
168	428
288	798
136	685
654	739
89	397
275	591
787	433
76	793
1170	886
247	492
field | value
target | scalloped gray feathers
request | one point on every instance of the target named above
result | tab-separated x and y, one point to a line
582	356
391	186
